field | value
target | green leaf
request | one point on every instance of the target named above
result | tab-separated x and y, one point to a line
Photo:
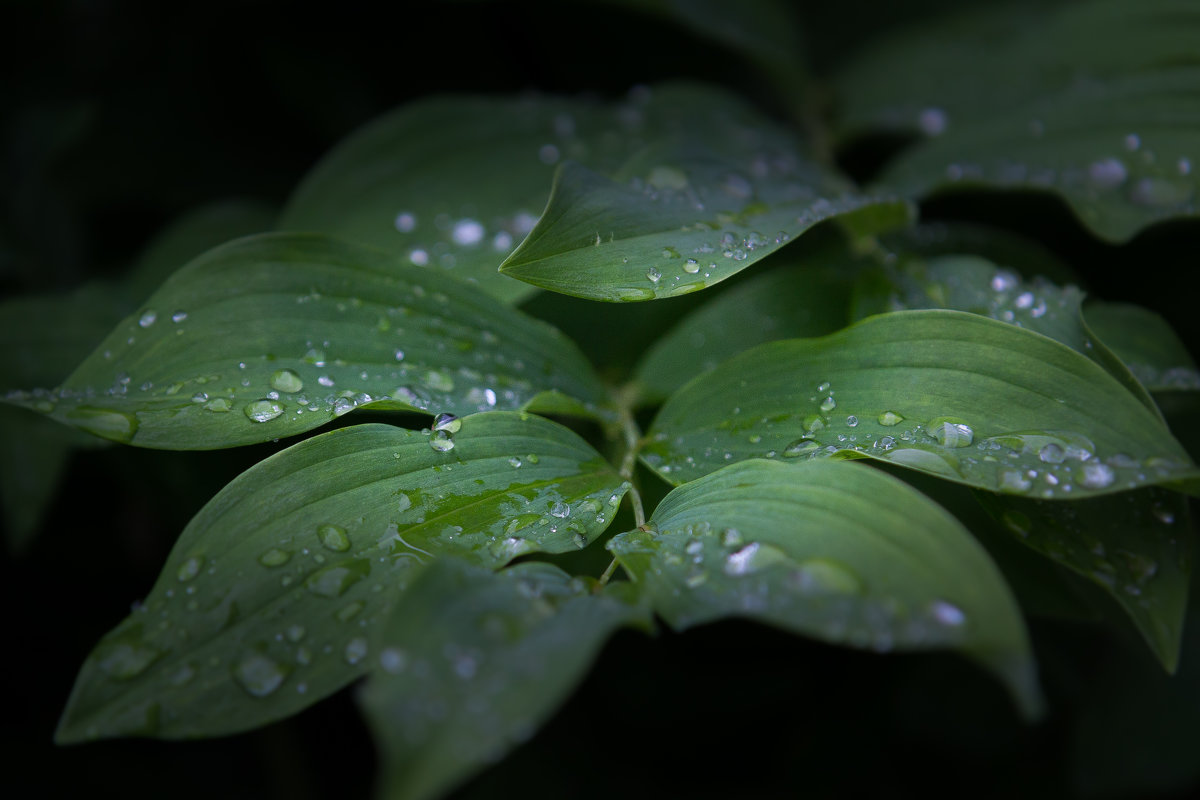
717	188
805	296
1025	256
454	183
968	283
1146	343
274	592
193	233
1136	546
1094	101
275	335
475	661
837	551
956	395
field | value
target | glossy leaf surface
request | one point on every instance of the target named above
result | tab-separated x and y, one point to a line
717	189
275	335
1137	546
837	551
272	596
475	661
952	394
1094	101
1146	342
809	297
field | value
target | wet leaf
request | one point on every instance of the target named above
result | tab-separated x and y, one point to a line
1093	101
717	188
1145	342
275	335
272	597
475	662
836	551
805	296
1136	546
952	394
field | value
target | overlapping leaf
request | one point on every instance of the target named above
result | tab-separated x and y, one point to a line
716	189
1136	546
1146	342
1094	101
956	395
274	335
836	551
810	297
475	661
272	596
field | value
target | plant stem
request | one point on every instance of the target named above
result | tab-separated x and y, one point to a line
632	435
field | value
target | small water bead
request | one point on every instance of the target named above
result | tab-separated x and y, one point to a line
179	316
405	222
418	257
259	675
295	633
439	381
548	154
560	510
393	660
1052	454
147	318
653	275
441	442
190	568
123	660
1133	142
514	462
824	576
447	422
1012	480
1097	475
285	380
691	266
947	613
342	405
219	405
932	121
1108	173
828	404
823	387
579	540
200	397
274	557
1163	514
800	447
263	410
333	537
852	421
467	232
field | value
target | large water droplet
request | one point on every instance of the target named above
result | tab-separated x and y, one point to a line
147	318
263	410
126	658
333	581
190	568
103	422
890	418
828	404
333	537
560	510
823	576
259	674
754	557
950	432
274	557
285	380
447	422
800	447
441	442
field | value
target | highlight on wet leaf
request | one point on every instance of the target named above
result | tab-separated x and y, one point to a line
837	551
716	190
1037	97
952	394
474	662
1136	546
275	335
272	596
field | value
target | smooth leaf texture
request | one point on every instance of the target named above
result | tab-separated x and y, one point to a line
968	283
1136	546
1146	342
809	297
833	550
1095	101
715	190
475	662
1025	256
272	596
275	335
956	395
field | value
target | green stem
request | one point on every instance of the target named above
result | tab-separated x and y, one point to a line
624	399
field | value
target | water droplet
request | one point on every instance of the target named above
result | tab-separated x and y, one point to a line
800	447
103	422
447	422
285	380
1160	192
950	432
405	222
147	318
179	316
274	557
1133	142
295	633
1163	514
393	660
356	650
1097	475
1107	173
439	381
852	421
752	558
218	405
418	257
260	675
263	410
190	568
579	540
126	658
823	576
333	581
691	266
467	232
560	510
349	612
333	537
441	442
653	275
947	613
828	404
932	121
1012	480
514	462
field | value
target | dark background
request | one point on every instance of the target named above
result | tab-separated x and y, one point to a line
115	118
